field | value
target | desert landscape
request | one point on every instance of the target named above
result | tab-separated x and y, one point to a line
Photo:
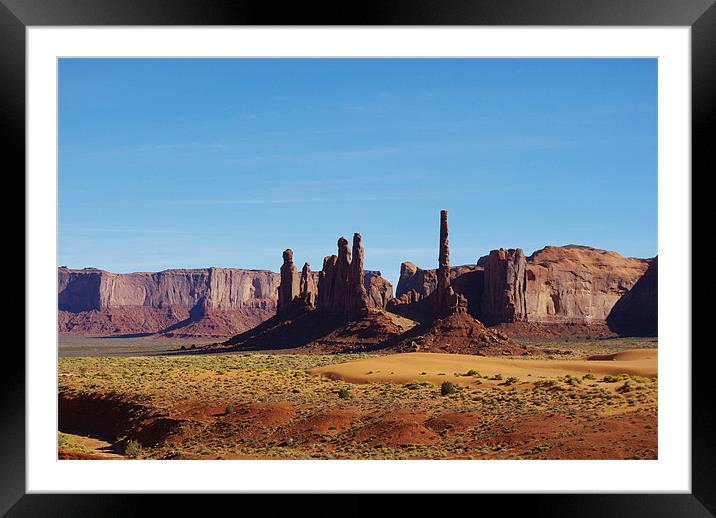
547	356
357	258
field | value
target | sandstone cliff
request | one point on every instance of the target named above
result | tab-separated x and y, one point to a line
216	302
227	300
503	296
571	284
578	284
230	288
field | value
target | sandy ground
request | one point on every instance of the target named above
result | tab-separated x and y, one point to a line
87	346
436	368
300	406
79	447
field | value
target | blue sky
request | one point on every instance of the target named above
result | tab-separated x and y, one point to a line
178	163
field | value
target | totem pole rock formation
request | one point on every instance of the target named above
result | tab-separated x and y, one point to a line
357	302
290	283
307	287
341	289
504	294
446	301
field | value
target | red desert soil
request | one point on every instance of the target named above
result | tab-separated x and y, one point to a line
172	322
259	406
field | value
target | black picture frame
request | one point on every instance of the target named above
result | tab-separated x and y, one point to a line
700	15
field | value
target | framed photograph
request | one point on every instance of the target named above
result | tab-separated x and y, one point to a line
401	250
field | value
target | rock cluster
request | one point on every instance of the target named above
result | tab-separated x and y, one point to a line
341	289
452	329
296	290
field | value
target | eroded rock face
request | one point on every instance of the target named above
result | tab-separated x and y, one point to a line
556	285
416	285
414	278
503	296
378	289
231	288
289	287
578	284
92	301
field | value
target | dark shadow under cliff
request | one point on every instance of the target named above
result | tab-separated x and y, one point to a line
636	312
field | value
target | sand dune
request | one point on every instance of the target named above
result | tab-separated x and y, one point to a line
631	355
436	368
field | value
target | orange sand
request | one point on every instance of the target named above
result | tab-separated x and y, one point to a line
436	368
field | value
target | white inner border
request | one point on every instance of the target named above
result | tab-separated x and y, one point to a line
671	472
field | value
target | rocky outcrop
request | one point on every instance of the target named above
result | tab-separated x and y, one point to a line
415	279
340	284
378	289
452	329
570	285
415	285
445	301
503	295
578	284
349	313
92	301
289	288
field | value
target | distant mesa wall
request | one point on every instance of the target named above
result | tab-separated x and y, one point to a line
211	301
555	285
93	301
226	288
